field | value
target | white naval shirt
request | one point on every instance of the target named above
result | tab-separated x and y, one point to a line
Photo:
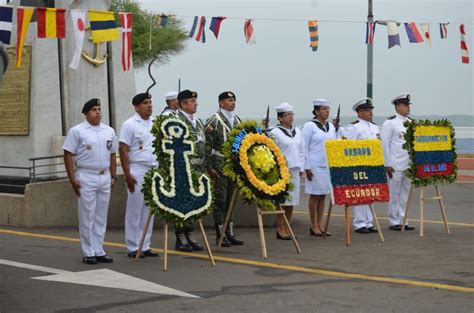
92	145
292	147
361	130
167	112
392	143
314	138
136	133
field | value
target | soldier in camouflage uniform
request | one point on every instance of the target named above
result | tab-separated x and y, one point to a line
187	109
218	127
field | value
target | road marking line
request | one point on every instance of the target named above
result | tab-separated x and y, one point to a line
300	269
100	278
386	218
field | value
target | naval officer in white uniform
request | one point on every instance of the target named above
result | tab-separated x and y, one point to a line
290	141
172	104
137	157
92	145
317	183
397	161
363	128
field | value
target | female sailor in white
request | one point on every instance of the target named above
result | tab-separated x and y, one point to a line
290	141
317	183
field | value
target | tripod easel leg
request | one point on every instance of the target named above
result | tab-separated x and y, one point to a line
165	248
262	234
348	226
443	212
421	211
377	222
295	242
206	243
227	218
142	240
328	217
410	193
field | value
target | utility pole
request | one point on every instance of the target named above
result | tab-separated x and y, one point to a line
370	55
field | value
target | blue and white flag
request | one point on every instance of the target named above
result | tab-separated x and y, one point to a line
393	35
6	14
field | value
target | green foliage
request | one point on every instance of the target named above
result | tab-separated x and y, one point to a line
409	145
165	41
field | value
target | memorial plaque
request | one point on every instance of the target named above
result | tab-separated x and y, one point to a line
15	95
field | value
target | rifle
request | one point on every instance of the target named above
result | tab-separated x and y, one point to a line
267	118
337	117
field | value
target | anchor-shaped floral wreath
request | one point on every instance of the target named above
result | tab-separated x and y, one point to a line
174	191
256	165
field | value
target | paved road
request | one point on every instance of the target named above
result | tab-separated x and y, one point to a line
402	274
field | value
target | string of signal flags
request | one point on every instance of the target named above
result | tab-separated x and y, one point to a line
51	23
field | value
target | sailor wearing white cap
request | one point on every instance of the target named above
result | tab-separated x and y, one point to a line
363	128
317	183
172	104
396	161
290	141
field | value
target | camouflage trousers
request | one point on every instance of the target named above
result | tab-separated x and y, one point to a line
223	189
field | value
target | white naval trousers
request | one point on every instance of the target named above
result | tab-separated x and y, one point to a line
399	186
362	216
92	208
137	212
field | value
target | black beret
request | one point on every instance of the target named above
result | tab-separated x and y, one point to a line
140	98
227	95
90	104
187	94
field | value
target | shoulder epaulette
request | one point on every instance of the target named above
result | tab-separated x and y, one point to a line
372	123
391	117
355	122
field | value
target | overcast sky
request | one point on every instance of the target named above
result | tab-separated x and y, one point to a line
282	68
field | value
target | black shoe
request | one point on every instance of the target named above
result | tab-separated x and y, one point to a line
133	255
231	236
104	259
225	241
89	260
193	242
408	227
395	227
372	229
362	230
182	243
282	237
150	253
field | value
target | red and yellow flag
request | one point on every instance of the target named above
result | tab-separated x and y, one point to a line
23	18
51	22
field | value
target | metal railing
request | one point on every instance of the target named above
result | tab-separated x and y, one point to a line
54	169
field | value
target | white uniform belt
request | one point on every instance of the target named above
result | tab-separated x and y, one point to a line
215	152
94	172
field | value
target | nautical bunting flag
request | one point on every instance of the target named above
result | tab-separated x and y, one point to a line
426	31
216	24
103	27
313	34
369	32
443	30
197	30
6	16
393	35
162	20
249	32
464	51
78	19
51	22
413	34
23	18
127	20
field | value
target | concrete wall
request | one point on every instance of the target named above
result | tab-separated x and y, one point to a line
53	203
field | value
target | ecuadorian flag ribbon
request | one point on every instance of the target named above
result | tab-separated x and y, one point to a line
103	26
433	151
357	171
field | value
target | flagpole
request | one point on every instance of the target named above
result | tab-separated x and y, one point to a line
370	55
